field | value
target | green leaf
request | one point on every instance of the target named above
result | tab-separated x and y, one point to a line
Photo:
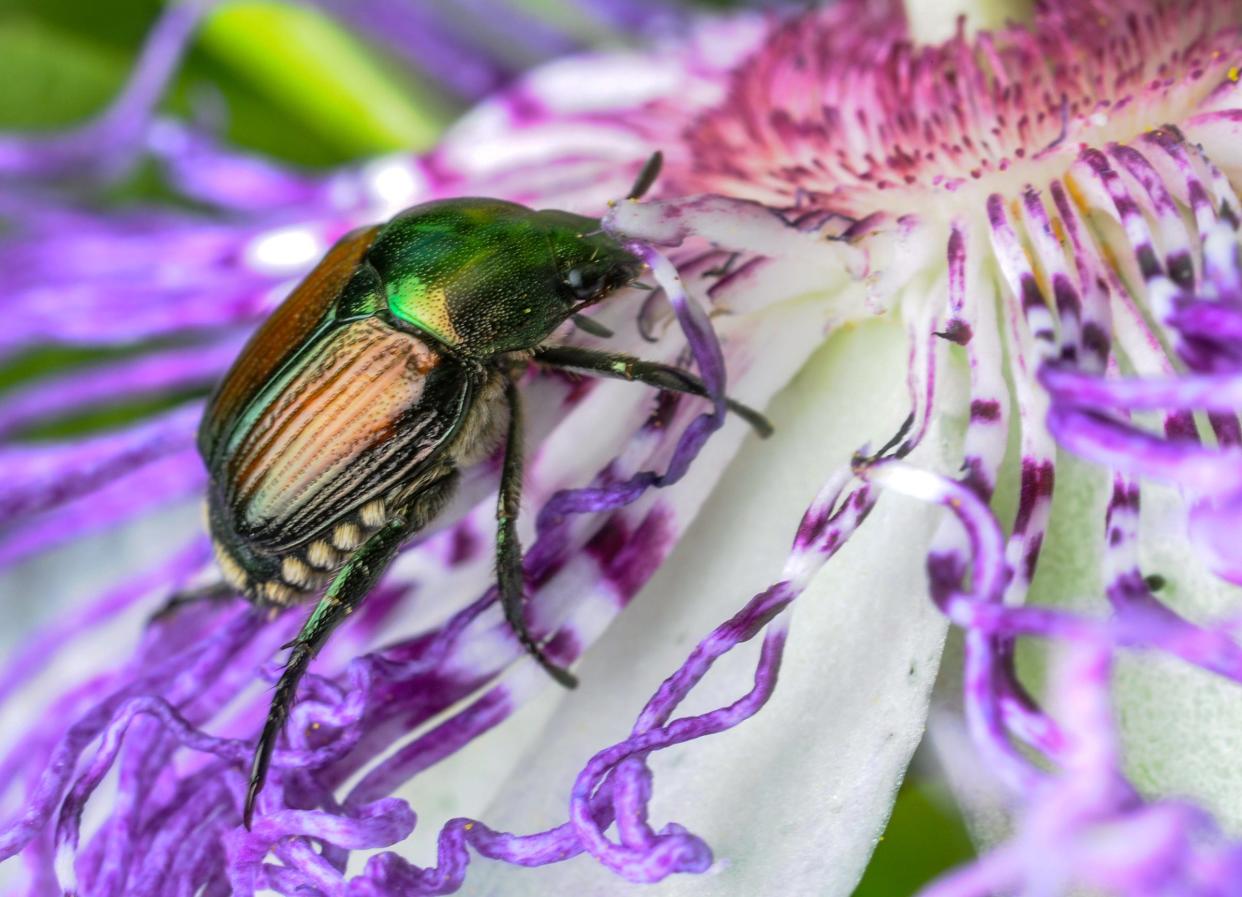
53	77
925	837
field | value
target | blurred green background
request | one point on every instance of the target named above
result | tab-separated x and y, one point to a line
287	81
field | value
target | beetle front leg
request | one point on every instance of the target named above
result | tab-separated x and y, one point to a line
627	367
510	579
350	585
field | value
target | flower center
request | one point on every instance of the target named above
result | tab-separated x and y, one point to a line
841	110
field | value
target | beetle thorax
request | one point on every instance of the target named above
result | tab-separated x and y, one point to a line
486	277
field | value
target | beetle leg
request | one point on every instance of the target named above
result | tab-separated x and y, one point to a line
591	326
216	591
627	367
509	573
348	588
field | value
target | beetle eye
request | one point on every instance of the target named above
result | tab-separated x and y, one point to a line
587	284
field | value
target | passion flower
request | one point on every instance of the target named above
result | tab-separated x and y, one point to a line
1040	218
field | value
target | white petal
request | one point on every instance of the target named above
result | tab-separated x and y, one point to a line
1179	724
793	800
40	589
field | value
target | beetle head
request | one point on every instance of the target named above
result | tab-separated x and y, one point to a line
590	264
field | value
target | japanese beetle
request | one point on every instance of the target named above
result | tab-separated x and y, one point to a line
340	429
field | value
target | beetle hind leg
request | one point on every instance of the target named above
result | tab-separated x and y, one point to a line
211	593
348	588
346	592
510	579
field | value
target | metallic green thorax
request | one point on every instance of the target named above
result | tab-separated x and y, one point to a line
484	276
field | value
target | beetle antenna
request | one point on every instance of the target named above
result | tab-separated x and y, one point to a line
647	177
